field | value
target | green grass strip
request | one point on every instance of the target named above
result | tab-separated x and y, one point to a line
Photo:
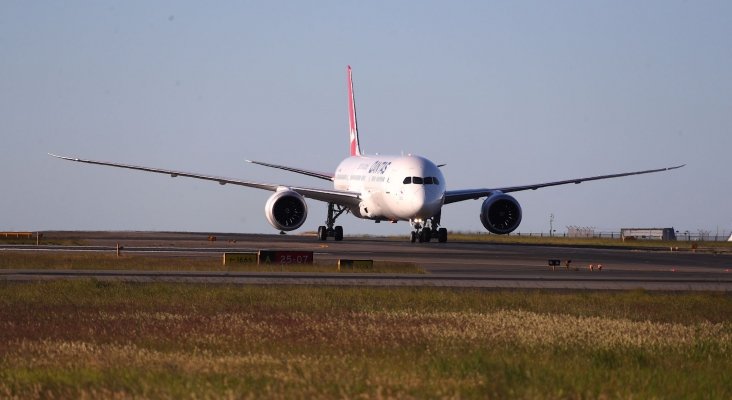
74	339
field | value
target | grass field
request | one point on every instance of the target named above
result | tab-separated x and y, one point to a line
90	339
45	241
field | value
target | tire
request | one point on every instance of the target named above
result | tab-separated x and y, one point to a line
338	233
322	233
413	237
442	235
426	235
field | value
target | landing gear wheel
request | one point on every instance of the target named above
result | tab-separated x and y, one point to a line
442	235
413	238
338	234
329	230
426	235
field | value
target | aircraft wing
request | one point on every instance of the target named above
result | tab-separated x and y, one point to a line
453	196
315	174
340	197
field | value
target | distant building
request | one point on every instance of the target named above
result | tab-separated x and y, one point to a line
648	234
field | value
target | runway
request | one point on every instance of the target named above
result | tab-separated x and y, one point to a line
452	264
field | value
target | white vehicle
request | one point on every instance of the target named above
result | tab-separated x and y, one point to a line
380	188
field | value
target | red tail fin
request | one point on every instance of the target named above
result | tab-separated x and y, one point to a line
352	125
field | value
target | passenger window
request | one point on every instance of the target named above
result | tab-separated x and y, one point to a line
428	180
407	180
417	180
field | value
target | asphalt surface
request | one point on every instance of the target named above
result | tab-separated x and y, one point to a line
452	264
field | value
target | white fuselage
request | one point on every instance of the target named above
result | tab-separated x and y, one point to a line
393	188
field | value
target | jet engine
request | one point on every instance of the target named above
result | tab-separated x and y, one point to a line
286	210
500	213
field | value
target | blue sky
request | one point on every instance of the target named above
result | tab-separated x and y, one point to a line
505	93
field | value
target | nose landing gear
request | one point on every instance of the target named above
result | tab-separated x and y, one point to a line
425	231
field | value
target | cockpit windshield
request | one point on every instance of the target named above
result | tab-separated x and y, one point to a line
418	180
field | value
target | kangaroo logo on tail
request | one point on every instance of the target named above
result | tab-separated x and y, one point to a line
352	125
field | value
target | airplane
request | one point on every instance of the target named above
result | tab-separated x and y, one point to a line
379	188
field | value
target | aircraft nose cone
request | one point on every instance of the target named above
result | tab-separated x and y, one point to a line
433	201
425	203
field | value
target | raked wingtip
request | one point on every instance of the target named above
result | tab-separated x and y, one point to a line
63	157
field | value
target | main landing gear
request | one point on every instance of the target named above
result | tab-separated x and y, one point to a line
329	230
425	231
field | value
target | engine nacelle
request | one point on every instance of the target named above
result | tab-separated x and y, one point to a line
500	213
286	210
